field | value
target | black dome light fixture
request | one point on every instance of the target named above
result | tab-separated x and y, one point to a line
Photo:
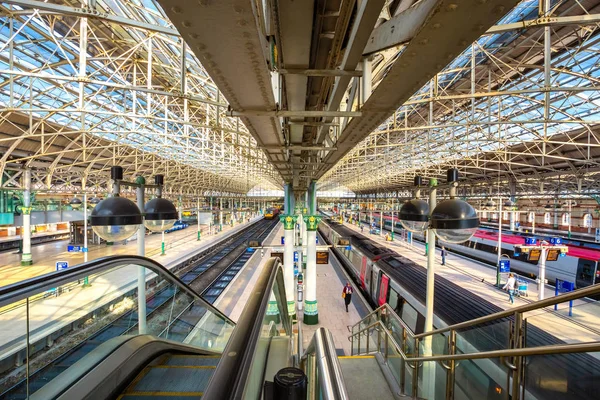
94	200
75	203
454	220
160	214
414	214
116	218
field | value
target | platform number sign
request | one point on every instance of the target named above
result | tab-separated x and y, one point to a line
295	256
60	265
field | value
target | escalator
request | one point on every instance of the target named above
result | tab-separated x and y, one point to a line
178	347
172	375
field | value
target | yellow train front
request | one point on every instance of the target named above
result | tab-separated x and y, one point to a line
271	213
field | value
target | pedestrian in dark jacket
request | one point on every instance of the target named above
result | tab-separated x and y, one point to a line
347	294
444	254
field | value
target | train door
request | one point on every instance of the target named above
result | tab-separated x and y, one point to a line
363	272
383	289
586	271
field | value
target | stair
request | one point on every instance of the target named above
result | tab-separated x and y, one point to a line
364	378
172	376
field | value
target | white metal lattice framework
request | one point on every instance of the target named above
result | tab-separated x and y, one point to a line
88	84
519	109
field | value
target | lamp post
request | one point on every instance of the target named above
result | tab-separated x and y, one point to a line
117	218
451	220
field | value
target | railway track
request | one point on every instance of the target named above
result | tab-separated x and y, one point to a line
209	276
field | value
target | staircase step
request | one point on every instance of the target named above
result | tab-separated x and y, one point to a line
364	379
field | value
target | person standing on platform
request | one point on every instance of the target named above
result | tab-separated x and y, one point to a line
444	253
347	294
362	229
510	286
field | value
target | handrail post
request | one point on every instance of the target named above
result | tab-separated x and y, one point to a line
452	370
358	348
415	388
517	344
403	365
386	344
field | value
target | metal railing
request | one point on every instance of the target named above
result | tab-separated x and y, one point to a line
408	355
322	367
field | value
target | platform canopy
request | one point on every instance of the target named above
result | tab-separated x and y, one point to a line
86	85
360	96
516	112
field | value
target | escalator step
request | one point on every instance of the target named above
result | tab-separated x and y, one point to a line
170	380
192	360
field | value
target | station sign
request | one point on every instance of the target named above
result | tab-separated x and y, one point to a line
553	254
530	241
534	254
504	266
282	240
72	248
564	286
322	257
60	265
295	256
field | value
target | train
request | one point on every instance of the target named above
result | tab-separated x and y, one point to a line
271	213
385	276
578	265
179	225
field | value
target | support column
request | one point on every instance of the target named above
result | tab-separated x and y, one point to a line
141	250
429	371
288	261
220	214
198	217
26	228
311	314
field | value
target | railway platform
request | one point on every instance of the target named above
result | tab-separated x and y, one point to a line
52	313
178	244
233	300
331	279
480	278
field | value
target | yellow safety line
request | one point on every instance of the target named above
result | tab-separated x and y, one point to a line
356	356
166	393
185	366
193	356
163	359
137	379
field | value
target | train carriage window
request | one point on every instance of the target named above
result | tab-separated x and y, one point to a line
409	316
394	301
565	219
587	221
547	218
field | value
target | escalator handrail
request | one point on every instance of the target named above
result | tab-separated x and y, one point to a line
39	284
231	375
329	370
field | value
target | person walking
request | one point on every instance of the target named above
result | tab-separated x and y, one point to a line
444	252
347	294
510	286
362	228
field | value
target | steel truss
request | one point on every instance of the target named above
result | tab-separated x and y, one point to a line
516	112
90	84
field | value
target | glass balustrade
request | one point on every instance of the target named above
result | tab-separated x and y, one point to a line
51	322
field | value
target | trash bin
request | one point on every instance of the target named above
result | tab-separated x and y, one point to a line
290	384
